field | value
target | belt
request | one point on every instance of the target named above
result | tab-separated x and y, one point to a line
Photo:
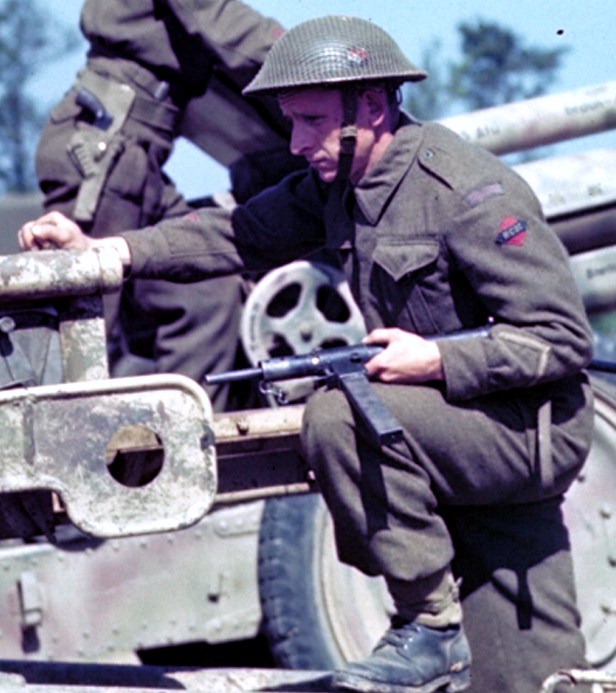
179	91
151	104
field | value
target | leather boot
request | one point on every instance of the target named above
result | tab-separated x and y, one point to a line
411	658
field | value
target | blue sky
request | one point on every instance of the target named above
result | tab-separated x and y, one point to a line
586	27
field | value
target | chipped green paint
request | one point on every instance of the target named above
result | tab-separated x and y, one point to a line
62	433
53	273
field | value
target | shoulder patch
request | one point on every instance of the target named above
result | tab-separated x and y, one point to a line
512	231
485	192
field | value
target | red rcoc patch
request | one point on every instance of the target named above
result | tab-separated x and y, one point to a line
512	231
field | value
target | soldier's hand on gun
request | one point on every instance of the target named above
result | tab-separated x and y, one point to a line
53	230
406	358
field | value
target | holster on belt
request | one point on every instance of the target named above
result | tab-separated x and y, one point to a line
94	149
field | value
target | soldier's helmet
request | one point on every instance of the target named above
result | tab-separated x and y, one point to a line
332	50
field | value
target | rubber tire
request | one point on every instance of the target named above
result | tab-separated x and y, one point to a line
309	599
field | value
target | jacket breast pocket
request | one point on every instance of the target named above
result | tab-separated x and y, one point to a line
405	276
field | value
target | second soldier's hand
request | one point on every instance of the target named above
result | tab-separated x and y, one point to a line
52	230
406	358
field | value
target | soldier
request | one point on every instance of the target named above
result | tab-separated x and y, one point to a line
100	158
435	236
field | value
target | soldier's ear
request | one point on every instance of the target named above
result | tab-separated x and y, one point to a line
376	102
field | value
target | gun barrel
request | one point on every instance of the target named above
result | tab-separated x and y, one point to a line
602	366
537	122
233	376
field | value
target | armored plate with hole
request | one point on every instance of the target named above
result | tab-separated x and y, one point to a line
126	455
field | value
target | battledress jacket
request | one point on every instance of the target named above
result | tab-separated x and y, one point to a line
179	41
441	236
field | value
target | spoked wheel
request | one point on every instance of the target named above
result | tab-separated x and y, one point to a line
318	613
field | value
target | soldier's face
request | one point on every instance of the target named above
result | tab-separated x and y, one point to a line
316	119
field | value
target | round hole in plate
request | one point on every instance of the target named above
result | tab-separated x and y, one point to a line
135	456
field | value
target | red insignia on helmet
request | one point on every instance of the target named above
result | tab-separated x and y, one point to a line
359	56
512	231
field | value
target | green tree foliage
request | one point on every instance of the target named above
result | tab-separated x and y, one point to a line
29	40
498	68
430	98
495	67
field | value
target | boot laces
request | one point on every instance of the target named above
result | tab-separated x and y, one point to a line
399	633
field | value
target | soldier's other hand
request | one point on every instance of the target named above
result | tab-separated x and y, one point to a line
406	358
52	230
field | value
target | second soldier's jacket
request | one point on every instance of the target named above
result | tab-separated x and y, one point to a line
100	156
149	64
180	42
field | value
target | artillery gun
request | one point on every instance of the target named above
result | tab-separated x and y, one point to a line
164	534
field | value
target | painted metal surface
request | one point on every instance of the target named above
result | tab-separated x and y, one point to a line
94	679
89	600
536	122
573	677
574	183
163	569
52	274
60	434
590	514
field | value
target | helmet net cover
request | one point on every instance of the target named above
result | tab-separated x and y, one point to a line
332	50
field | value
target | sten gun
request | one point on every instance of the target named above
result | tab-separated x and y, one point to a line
341	367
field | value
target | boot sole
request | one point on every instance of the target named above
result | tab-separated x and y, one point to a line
449	683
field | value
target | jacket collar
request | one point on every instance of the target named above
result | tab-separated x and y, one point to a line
374	190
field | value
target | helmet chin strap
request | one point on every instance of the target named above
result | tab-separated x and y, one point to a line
348	133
